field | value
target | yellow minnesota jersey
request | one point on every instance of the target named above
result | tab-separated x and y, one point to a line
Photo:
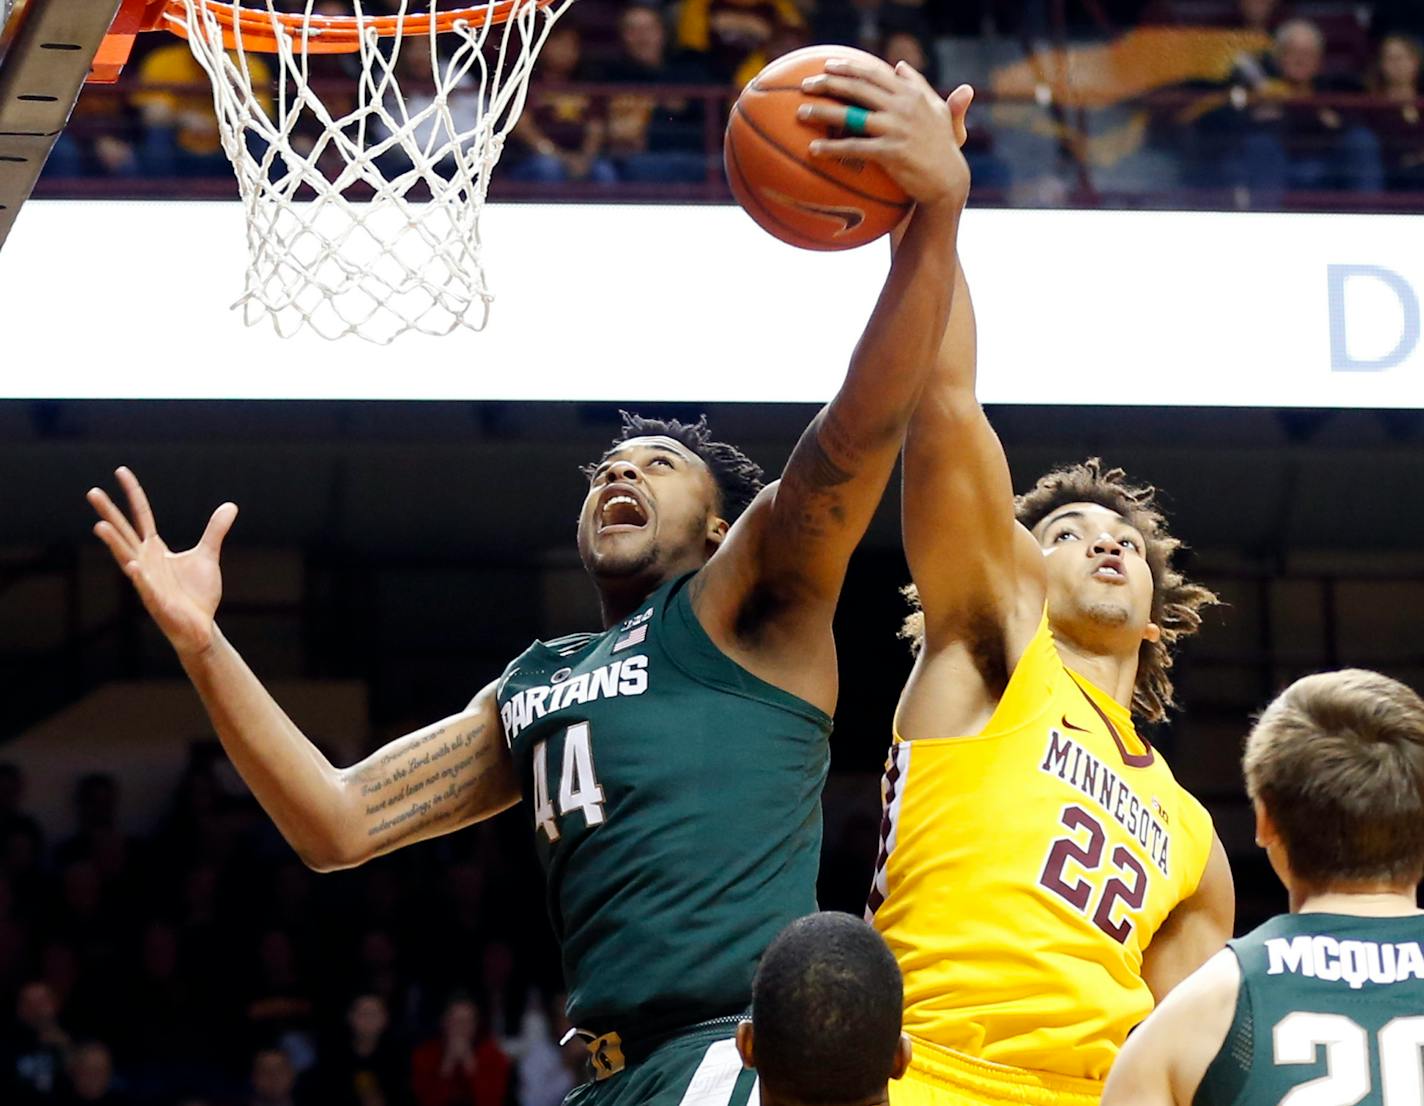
1024	870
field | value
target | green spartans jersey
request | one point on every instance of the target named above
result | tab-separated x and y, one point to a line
1330	1013
676	800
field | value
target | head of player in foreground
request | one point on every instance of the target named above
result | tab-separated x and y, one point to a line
660	501
1112	588
1335	771
825	1024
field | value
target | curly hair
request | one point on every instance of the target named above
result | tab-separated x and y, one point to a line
737	476
1176	601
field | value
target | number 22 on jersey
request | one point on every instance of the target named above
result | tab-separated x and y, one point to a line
578	785
1088	855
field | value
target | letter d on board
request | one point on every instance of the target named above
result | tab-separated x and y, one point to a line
1340	359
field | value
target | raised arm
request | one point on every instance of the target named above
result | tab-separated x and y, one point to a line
836	475
787	557
429	782
971	562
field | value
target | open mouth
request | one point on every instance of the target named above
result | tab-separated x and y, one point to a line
1110	568
620	508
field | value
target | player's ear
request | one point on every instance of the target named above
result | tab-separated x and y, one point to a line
1152	632
717	528
903	1052
1265	828
744	1044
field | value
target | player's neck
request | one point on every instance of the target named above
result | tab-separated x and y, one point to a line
1381	902
1109	672
618	603
620	597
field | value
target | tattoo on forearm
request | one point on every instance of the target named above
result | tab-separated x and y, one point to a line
427	782
821	470
817	471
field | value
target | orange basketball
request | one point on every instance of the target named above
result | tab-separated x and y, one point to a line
815	203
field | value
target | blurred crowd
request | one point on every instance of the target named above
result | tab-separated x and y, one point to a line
203	965
1257	98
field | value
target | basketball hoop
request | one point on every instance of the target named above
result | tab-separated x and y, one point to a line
363	217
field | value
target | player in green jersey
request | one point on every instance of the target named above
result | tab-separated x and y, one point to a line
1323	1006
826	1013
672	763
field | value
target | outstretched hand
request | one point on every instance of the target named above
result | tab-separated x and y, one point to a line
181	591
907	129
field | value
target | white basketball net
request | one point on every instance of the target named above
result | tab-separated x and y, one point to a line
365	219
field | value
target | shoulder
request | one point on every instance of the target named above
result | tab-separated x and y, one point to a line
1207	989
1183	1036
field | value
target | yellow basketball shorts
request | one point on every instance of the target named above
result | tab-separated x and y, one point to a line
942	1077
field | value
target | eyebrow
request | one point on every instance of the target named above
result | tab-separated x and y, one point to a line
609	456
1061	516
1080	514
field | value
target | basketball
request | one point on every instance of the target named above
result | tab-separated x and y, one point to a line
815	203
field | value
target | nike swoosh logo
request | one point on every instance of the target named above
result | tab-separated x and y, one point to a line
1131	759
1069	725
849	217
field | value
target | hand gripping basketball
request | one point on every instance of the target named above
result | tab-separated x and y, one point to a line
897	121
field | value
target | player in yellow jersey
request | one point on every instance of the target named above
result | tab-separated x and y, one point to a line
1042	878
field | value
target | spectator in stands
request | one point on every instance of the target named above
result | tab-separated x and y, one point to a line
904	41
279	1006
737	37
1398	121
1257	15
181	136
416	72
908	46
273	1079
90	1073
545	1074
381	971
366	1067
162	1034
562	131
33	1048
87	925
655	138
1290	142
462	1066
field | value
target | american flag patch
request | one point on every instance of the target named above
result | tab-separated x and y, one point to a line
633	637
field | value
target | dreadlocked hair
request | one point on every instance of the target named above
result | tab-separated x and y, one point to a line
737	476
1176	601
